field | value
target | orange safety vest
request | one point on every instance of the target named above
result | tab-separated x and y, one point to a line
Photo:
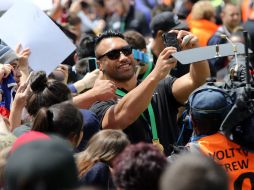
238	163
167	2
203	29
245	10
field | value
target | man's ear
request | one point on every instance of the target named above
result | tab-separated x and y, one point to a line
222	14
99	64
159	34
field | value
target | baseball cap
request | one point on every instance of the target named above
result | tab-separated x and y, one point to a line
7	55
209	102
42	164
167	21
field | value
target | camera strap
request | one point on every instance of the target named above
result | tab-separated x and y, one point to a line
148	70
155	139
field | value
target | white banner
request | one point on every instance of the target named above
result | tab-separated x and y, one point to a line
25	23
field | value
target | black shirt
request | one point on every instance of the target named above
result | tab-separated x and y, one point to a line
165	109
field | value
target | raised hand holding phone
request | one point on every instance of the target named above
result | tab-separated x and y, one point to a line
170	40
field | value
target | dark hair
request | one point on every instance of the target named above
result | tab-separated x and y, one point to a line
86	47
108	34
99	2
139	167
42	164
135	39
56	75
73	20
63	119
194	172
193	1
45	93
208	125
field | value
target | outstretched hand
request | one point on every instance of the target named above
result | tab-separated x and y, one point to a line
21	95
23	55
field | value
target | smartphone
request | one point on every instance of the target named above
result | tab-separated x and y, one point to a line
92	65
170	39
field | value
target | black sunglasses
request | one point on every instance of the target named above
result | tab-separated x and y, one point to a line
115	53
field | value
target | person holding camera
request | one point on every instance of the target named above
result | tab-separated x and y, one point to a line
146	111
160	24
208	107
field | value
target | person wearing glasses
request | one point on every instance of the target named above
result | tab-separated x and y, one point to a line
146	111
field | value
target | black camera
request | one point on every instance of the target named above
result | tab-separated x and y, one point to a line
170	39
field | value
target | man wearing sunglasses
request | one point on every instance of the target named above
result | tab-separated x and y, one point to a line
132	111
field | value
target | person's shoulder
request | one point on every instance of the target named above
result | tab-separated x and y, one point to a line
87	114
101	166
100	108
99	105
168	81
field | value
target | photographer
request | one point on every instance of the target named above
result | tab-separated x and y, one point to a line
162	23
209	106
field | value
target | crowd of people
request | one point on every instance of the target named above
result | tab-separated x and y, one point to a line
121	112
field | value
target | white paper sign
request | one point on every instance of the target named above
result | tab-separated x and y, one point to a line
25	23
6	4
43	4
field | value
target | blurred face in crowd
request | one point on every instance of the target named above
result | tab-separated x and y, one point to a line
108	7
115	59
231	16
16	71
120	7
98	9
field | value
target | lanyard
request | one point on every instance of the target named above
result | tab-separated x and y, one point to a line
122	26
148	70
151	115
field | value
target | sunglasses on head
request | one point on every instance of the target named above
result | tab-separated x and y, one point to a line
115	53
